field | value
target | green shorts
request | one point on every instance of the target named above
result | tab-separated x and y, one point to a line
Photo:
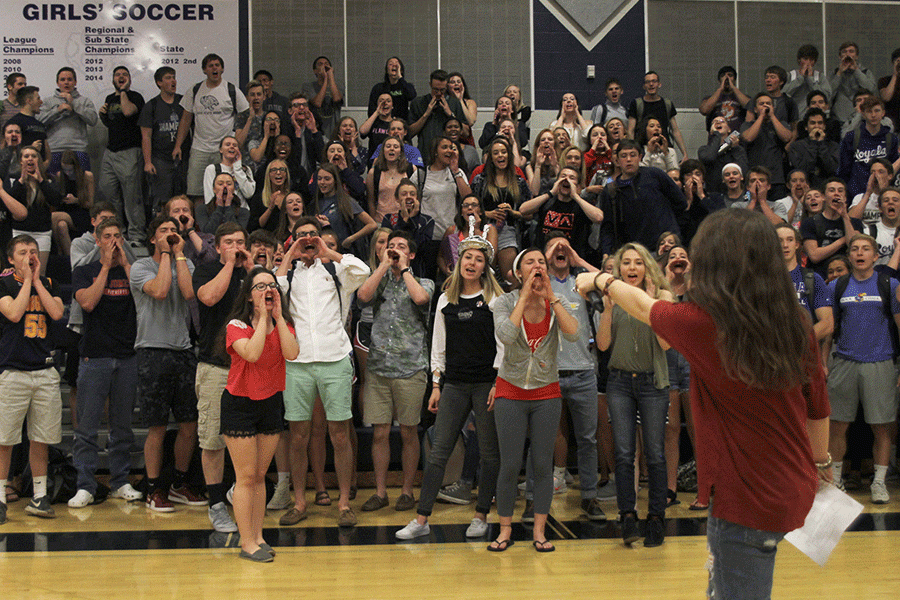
330	381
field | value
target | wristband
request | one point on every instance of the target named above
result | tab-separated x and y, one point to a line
554	301
826	464
608	283
597	287
180	258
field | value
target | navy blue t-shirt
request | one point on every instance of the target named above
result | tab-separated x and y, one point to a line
865	330
26	345
109	329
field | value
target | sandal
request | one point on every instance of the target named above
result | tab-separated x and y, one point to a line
323	499
671	499
543	546
501	545
697	505
12	494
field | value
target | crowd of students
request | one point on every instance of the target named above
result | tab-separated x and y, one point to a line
285	256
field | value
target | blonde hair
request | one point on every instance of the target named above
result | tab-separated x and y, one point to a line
651	268
267	185
373	255
490	287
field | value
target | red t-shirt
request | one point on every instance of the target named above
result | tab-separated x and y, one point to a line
259	380
752	444
535	334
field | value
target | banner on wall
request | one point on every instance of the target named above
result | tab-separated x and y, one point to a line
96	37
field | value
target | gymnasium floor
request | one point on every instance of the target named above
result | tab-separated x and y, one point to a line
119	550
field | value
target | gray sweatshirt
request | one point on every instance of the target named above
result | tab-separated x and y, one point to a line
522	367
67	129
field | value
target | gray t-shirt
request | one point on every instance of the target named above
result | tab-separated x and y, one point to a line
574	356
439	199
160	323
329	112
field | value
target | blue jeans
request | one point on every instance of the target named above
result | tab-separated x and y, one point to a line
99	378
627	393
742	560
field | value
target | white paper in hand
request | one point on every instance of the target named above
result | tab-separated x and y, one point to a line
831	514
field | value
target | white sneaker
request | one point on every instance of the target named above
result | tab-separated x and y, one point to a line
413	530
559	485
879	493
126	492
229	495
220	519
477	528
81	499
281	499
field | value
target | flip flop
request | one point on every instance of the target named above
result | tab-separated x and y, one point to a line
543	546
501	546
697	505
12	494
323	499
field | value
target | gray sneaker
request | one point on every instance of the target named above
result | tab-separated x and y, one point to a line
220	519
413	530
40	507
879	493
459	492
477	528
608	490
281	498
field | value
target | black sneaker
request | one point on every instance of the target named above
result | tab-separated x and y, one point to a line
2	513
591	507
629	528
528	513
655	532
40	507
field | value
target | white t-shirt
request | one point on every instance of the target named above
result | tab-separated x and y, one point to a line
871	214
885	241
439	200
213	114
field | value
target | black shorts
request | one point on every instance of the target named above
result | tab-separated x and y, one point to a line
243	417
166	383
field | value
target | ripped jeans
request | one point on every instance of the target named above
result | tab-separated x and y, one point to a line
741	560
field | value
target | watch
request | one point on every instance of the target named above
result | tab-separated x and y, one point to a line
405	271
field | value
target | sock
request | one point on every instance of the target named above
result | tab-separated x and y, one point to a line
40	487
880	472
3	490
282	476
836	471
559	472
178	479
216	492
152	484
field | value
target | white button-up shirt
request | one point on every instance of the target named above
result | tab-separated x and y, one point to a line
316	307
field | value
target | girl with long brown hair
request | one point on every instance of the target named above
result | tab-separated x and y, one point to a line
757	392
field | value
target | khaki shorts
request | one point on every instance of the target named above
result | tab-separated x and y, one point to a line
32	394
209	385
386	397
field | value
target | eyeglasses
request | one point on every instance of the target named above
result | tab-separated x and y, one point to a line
260	287
278	170
471	205
299	105
272	119
300	234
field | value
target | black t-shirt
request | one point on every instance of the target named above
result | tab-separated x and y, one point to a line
111	328
655	108
26	345
162	119
32	129
565	216
214	318
124	132
470	341
379	132
824	231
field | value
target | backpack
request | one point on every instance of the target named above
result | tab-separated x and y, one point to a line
884	290
809	284
639	109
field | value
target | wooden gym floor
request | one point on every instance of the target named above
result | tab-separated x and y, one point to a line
119	550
